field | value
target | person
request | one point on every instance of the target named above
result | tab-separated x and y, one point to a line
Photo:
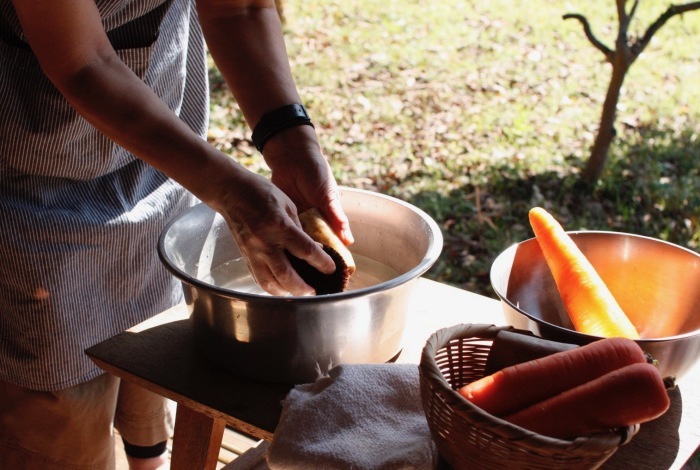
103	114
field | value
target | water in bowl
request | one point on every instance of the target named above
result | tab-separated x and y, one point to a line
234	275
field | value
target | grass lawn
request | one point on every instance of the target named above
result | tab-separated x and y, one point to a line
477	111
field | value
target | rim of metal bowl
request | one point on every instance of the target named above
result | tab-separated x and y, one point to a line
426	263
503	296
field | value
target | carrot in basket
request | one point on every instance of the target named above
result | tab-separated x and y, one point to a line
592	308
519	386
631	395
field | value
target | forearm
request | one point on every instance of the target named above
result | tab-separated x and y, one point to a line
246	41
247	44
127	111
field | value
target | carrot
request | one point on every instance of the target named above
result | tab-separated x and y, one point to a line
592	308
633	394
521	385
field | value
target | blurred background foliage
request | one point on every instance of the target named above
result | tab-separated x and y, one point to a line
476	111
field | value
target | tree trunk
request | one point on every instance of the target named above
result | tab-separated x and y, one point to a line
606	131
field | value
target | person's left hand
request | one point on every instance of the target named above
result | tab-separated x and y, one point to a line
303	174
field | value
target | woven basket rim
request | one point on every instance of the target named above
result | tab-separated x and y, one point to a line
429	369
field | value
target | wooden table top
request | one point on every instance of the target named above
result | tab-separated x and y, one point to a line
160	355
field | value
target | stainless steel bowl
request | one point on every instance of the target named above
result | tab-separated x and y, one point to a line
292	339
656	283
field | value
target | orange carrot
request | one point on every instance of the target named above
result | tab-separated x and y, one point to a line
592	308
630	395
521	385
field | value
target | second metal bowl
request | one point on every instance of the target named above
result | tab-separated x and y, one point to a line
656	283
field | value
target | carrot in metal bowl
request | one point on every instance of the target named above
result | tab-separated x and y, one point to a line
590	304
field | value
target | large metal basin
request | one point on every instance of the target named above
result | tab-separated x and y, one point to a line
294	339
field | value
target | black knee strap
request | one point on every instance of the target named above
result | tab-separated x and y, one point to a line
144	452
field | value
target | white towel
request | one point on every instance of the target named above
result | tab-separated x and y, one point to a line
359	417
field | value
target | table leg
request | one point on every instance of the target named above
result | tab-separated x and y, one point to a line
196	440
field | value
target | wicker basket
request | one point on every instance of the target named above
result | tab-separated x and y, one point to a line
468	438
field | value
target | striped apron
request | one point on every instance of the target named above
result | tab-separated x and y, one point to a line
80	216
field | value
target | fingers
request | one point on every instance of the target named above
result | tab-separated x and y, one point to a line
279	281
267	225
269	265
338	220
332	209
315	256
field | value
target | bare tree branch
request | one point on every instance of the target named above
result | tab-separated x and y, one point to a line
634	8
623	50
672	11
621	12
623	18
609	53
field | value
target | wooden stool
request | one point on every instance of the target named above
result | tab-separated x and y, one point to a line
252	459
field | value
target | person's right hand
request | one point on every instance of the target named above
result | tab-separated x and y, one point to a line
264	222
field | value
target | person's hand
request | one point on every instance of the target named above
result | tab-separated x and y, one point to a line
264	223
300	170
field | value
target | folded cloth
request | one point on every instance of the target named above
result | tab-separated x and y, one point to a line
360	416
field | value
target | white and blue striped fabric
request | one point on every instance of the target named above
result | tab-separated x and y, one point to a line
79	216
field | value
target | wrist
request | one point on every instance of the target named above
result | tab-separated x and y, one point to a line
278	121
295	146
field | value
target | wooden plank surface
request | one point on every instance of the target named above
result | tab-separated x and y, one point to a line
163	358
